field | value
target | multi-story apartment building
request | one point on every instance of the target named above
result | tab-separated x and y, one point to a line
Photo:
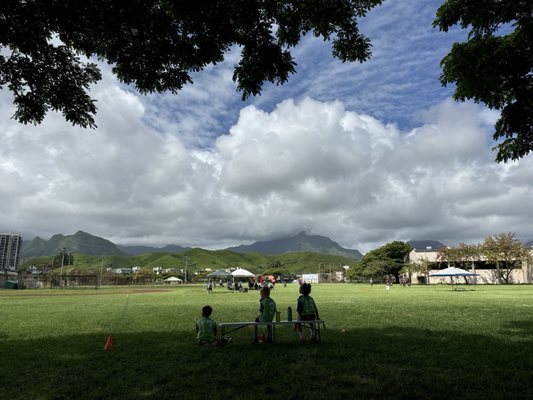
10	246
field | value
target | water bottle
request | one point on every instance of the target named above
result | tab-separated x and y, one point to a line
289	314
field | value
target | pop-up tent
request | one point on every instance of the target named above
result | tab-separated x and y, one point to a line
173	281
241	273
453	272
219	273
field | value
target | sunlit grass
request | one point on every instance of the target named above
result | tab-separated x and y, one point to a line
418	342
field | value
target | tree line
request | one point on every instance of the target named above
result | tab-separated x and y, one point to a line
504	252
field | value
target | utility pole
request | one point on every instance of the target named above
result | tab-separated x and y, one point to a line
186	260
101	270
62	263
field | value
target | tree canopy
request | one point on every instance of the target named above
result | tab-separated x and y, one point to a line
155	45
494	66
461	255
507	252
385	260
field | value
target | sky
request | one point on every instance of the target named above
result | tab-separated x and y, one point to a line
361	153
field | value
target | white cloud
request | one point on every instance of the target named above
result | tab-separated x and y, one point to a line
362	153
352	171
305	165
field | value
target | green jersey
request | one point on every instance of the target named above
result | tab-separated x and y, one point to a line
206	329
267	308
306	306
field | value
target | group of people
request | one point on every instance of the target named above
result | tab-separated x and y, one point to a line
210	285
306	309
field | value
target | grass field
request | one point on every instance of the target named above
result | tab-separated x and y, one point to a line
423	342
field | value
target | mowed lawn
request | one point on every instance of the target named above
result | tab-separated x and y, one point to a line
423	342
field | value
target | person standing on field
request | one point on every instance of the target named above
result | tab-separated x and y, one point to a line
267	311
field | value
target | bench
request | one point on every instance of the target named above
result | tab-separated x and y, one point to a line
228	327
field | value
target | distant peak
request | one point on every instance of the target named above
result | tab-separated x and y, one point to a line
306	233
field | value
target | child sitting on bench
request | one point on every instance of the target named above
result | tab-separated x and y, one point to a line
307	310
206	330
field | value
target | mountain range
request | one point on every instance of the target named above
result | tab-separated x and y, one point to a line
423	245
299	243
138	250
85	243
80	242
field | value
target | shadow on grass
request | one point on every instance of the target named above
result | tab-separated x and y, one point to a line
390	363
522	329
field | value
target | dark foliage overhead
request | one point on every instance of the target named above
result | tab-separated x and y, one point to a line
494	66
156	44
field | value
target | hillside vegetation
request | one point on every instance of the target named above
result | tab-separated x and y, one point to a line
85	243
201	259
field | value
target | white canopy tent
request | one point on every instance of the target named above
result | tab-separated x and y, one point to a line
241	273
173	280
219	273
453	272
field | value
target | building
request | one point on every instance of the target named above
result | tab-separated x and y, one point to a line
10	246
310	278
486	274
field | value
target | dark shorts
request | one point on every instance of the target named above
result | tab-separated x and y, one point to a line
304	318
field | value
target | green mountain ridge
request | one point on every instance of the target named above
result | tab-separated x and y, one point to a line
302	242
80	242
138	250
85	243
92	253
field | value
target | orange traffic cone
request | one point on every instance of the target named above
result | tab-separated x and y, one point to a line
109	343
